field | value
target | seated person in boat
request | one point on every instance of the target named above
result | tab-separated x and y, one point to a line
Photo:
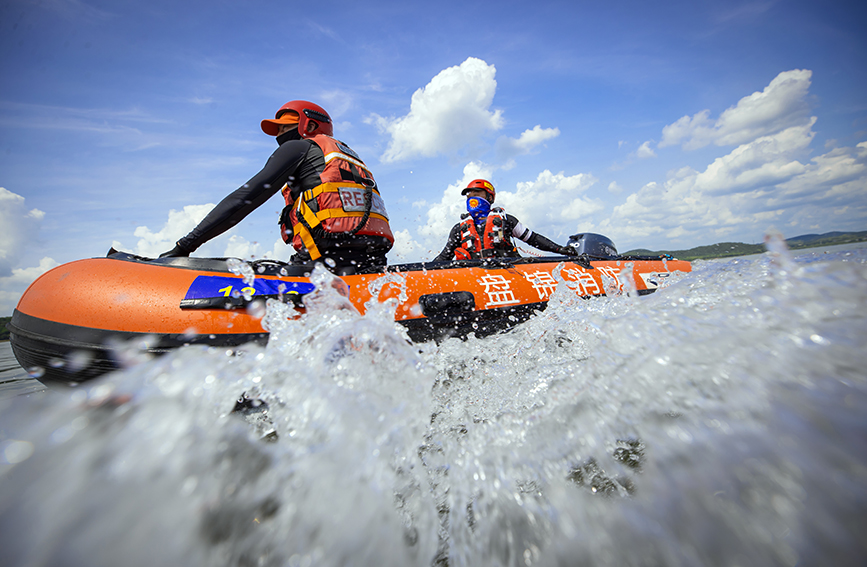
485	232
333	207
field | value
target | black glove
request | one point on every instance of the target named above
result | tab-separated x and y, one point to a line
581	259
175	252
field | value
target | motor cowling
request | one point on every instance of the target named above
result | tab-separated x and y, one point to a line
593	245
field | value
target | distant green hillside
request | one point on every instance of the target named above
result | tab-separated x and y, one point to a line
727	249
4	332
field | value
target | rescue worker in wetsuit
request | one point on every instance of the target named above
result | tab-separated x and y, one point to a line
485	232
333	207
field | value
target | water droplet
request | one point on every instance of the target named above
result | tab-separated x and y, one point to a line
819	339
15	451
36	372
78	360
256	309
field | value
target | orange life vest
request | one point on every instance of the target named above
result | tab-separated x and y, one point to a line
493	242
347	202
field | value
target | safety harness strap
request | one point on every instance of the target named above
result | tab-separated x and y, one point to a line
303	229
309	219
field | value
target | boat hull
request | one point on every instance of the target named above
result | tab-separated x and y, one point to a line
73	322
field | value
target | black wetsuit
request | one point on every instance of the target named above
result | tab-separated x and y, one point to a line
512	228
298	162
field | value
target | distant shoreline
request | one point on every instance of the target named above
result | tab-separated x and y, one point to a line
732	249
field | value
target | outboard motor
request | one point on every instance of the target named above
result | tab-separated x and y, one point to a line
593	245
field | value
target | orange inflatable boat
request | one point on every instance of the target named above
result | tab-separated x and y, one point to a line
70	320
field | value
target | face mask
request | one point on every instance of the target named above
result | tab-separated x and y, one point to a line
288	135
478	208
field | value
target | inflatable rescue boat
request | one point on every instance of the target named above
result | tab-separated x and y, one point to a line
69	323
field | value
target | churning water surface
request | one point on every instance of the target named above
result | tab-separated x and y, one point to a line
719	421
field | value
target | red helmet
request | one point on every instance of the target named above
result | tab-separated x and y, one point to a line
311	118
484	185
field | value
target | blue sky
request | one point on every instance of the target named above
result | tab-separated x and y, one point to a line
661	126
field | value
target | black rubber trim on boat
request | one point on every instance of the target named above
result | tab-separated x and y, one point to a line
447	304
479	323
46	344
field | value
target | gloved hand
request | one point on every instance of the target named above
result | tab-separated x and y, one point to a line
175	252
581	259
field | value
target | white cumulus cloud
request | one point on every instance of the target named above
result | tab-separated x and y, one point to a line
508	148
644	151
404	249
768	160
768	179
553	203
20	227
12	286
762	183
838	179
230	244
781	105
240	247
451	112
153	243
280	251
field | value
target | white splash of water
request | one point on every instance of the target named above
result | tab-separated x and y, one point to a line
243	269
718	421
